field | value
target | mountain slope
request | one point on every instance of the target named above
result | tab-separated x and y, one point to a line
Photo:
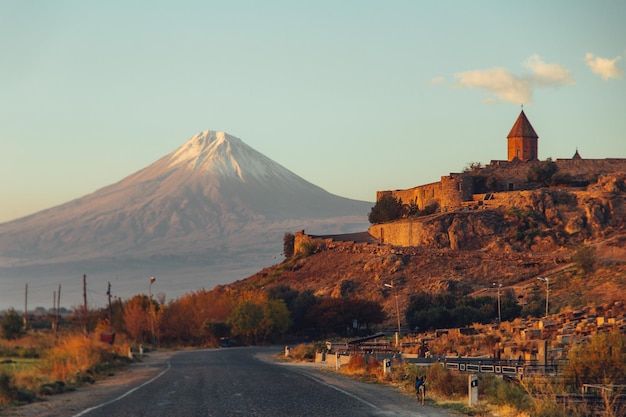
214	200
532	234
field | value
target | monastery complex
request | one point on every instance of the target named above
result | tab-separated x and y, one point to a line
458	190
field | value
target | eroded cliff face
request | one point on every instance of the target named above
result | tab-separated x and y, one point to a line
539	220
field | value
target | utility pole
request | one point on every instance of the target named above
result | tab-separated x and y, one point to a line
58	315
499	310
85	301
26	306
54	312
110	308
547	281
397	312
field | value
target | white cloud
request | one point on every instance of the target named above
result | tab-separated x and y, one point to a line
506	86
548	75
498	81
606	68
438	80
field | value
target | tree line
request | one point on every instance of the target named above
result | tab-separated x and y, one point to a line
202	318
259	316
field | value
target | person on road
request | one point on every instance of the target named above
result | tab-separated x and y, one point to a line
419	381
420	389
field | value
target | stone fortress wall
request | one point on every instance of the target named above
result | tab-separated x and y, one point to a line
457	188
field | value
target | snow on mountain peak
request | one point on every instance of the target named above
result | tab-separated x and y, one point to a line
210	151
228	157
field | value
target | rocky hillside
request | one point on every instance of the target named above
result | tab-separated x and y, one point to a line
513	240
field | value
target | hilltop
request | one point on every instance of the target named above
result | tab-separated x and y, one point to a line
528	234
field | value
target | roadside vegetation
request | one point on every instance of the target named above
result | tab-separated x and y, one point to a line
40	363
601	363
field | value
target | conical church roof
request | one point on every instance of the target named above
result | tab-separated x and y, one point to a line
522	128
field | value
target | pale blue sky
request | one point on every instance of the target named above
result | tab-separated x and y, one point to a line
353	96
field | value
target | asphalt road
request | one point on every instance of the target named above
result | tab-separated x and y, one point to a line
248	382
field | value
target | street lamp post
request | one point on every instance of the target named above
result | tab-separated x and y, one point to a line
397	312
547	281
152	279
499	311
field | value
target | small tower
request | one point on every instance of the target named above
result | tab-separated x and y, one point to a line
522	140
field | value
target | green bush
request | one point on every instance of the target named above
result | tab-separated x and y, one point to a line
387	209
12	325
542	172
502	392
585	259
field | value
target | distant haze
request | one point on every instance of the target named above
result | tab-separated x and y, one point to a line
209	213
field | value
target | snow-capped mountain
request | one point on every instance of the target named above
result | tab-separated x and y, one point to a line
214	203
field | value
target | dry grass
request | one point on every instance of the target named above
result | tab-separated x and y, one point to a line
356	366
53	364
302	352
75	355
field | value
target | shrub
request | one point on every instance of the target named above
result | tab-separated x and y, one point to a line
288	245
444	383
373	366
428	210
303	352
502	392
405	374
12	325
387	209
308	248
75	356
601	361
357	365
542	172
11	394
585	259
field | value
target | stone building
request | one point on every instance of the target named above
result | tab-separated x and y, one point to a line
522	140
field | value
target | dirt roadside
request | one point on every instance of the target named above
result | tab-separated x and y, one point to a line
71	403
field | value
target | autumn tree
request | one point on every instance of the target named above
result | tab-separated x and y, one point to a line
275	321
184	320
259	320
136	317
245	321
297	303
176	324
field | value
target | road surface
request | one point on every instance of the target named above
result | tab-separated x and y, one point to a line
237	382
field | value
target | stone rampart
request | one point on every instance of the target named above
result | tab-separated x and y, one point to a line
450	192
405	232
303	244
